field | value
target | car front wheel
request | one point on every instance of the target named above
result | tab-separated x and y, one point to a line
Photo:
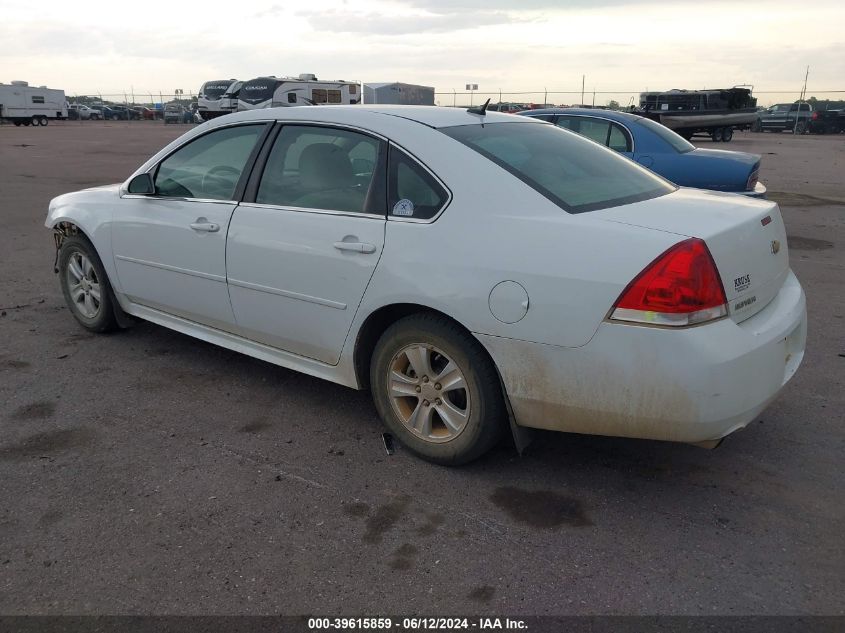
437	390
85	285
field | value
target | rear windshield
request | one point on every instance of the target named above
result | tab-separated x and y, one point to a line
677	141
573	172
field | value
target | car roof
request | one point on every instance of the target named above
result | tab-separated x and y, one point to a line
431	116
613	115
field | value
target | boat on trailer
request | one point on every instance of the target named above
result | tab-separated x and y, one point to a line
714	112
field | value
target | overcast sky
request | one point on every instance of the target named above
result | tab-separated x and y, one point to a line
112	46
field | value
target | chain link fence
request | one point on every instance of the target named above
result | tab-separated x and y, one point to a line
149	106
613	99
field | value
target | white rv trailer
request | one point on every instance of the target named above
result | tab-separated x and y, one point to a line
219	97
268	92
23	104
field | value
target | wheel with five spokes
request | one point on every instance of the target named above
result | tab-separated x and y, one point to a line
85	285
436	389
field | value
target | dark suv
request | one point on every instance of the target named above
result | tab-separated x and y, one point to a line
784	117
124	113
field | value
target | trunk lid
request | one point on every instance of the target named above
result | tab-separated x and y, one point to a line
746	237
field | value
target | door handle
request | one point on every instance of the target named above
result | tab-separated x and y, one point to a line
205	226
355	247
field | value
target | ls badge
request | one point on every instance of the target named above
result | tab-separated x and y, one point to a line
775	247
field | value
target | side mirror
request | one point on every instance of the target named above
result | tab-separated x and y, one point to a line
142	185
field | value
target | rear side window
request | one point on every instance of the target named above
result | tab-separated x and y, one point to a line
574	173
412	191
208	167
618	140
324	168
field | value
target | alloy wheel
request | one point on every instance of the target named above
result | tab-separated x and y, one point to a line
428	392
83	285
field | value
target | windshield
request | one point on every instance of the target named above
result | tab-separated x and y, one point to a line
573	172
679	143
215	89
257	90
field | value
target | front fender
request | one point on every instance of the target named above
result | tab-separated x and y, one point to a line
90	211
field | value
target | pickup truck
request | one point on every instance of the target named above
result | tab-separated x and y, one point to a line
827	122
781	117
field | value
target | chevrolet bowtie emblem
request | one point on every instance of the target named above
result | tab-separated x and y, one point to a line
775	246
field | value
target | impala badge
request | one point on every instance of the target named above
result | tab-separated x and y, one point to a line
775	246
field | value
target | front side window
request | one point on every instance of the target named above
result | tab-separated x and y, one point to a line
208	167
412	191
574	173
324	168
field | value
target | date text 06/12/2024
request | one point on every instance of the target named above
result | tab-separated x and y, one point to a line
416	624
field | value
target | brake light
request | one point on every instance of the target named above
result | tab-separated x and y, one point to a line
752	180
681	287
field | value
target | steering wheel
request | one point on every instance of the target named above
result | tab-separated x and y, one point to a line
219	173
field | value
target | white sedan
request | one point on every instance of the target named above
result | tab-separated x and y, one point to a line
470	269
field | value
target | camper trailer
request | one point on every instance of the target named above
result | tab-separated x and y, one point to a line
269	92
23	104
218	97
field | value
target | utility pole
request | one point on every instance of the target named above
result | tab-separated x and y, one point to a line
804	89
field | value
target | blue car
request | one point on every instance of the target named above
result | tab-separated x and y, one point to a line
661	150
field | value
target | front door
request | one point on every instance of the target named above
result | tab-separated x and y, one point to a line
301	254
170	248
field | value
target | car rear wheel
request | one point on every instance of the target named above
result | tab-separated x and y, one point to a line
437	390
800	127
727	134
85	285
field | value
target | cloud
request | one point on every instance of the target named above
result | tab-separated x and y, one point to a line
378	24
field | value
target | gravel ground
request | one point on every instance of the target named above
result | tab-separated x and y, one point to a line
147	472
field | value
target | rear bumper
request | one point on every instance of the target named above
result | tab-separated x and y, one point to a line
759	191
689	385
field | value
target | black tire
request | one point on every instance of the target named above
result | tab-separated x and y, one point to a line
727	134
17	123
487	417
801	127
43	120
35	120
104	320
716	135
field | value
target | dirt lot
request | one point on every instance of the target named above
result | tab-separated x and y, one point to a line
147	472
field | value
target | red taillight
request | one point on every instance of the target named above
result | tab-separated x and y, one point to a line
752	180
815	116
681	287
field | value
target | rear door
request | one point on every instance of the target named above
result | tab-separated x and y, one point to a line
305	243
